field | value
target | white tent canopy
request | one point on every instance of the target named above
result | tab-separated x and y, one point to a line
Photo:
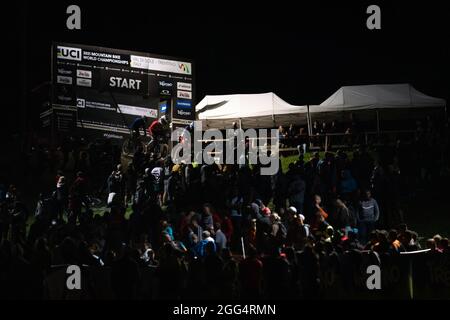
381	96
264	110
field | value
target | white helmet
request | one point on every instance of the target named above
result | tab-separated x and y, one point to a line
163	120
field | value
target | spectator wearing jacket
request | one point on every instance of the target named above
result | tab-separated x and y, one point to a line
369	213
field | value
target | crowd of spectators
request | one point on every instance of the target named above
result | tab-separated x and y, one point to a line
212	231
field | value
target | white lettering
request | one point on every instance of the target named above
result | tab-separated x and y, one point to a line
119	82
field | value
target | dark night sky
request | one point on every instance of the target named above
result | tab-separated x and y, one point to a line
301	52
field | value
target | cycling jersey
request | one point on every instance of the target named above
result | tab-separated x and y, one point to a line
156	128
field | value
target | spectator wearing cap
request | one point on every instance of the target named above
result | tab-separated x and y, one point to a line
289	216
297	232
276	221
292	210
278	230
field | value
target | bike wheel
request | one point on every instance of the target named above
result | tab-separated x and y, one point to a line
127	146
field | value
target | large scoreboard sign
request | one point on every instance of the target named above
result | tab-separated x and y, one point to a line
103	90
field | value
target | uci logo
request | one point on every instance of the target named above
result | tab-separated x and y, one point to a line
68	53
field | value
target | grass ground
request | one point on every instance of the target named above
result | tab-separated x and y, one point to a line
428	214
286	160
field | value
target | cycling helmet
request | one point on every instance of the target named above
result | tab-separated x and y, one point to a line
163	120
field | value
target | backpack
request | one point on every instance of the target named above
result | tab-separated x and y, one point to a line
282	233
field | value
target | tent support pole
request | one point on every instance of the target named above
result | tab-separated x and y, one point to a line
308	119
308	123
378	122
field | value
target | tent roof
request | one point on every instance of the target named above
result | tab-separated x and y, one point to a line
379	96
255	110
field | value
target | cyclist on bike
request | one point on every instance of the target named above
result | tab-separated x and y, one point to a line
157	131
139	123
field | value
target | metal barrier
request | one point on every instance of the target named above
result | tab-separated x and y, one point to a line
331	141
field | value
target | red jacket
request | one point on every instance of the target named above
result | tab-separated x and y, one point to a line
155	128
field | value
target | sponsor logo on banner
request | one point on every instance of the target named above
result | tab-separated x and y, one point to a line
68	53
84	74
81	103
183	109
184	104
64	80
137	111
184	94
185	68
64	71
153	113
165	84
183	113
148	63
84	82
184	86
97	105
165	88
